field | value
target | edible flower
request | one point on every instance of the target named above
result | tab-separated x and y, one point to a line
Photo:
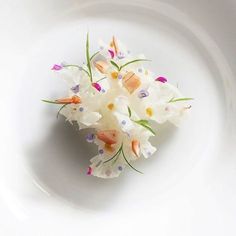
135	147
143	93
111	53
97	86
73	99
57	67
108	136
161	79
131	82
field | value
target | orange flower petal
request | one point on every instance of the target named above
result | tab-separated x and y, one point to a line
102	66
131	82
135	147
108	136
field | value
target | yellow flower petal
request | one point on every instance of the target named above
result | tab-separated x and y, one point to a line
149	111
114	75
110	106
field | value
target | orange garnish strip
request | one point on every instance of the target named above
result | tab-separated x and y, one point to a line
74	100
135	147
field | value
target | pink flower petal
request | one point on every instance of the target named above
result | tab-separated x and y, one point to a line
97	86
161	79
111	53
57	67
89	171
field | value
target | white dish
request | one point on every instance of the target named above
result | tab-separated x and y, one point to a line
188	187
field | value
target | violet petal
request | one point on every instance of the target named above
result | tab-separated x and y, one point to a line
111	53
75	88
121	55
161	79
57	67
89	171
143	93
90	137
97	86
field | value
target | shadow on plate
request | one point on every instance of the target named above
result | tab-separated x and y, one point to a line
59	163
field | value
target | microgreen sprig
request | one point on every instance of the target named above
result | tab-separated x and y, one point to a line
119	68
117	155
63	106
88	59
143	123
123	154
179	99
94	55
101	79
146	125
53	102
129	111
79	67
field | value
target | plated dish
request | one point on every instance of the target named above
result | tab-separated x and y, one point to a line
115	94
188	185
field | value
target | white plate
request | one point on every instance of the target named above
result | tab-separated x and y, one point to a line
188	187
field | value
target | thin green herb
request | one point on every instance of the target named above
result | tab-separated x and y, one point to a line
88	58
117	153
145	124
94	55
52	102
131	62
80	67
119	68
101	79
129	111
58	113
179	99
114	64
129	163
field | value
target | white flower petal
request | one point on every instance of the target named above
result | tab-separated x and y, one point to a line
90	118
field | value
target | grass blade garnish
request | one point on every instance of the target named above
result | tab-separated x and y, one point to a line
129	111
52	102
131	62
71	65
123	154
88	58
179	99
114	64
146	125
101	79
94	55
79	67
58	113
117	153
119	68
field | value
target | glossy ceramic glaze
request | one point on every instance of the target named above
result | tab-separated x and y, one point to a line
189	185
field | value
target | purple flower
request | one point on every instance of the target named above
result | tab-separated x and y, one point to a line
111	53
143	93
57	67
101	151
161	79
120	55
97	86
75	88
90	138
89	170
